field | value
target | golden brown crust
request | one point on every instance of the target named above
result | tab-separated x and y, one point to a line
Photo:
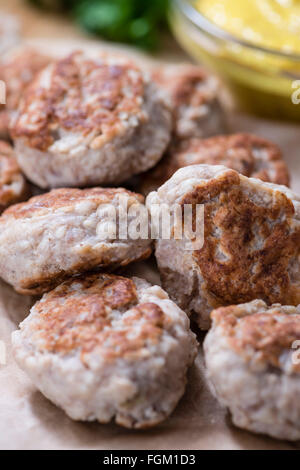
249	155
266	334
251	256
12	183
183	85
17	70
65	197
193	95
90	97
4	122
78	315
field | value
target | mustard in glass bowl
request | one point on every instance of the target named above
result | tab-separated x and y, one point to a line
254	45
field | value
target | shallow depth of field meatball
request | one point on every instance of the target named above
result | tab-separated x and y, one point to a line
105	347
253	366
88	121
248	154
68	231
18	67
13	187
251	241
193	94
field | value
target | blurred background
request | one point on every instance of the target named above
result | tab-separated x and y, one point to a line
138	23
252	45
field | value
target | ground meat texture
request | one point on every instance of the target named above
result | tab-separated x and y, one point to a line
253	368
87	122
105	347
251	241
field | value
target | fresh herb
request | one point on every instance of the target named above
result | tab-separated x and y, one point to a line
137	22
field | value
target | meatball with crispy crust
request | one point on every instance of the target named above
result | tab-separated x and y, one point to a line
105	347
253	366
194	97
13	187
18	68
248	154
251	241
88	121
69	231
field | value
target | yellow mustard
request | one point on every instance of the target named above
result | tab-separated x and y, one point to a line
272	24
262	81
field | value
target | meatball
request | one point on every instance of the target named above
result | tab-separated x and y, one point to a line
105	347
69	231
88	121
253	366
18	67
13	187
248	154
251	243
194	97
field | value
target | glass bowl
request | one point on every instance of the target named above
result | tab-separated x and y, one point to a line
262	81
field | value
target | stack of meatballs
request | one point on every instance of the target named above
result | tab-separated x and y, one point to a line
81	131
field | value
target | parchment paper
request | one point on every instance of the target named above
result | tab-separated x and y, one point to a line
30	421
